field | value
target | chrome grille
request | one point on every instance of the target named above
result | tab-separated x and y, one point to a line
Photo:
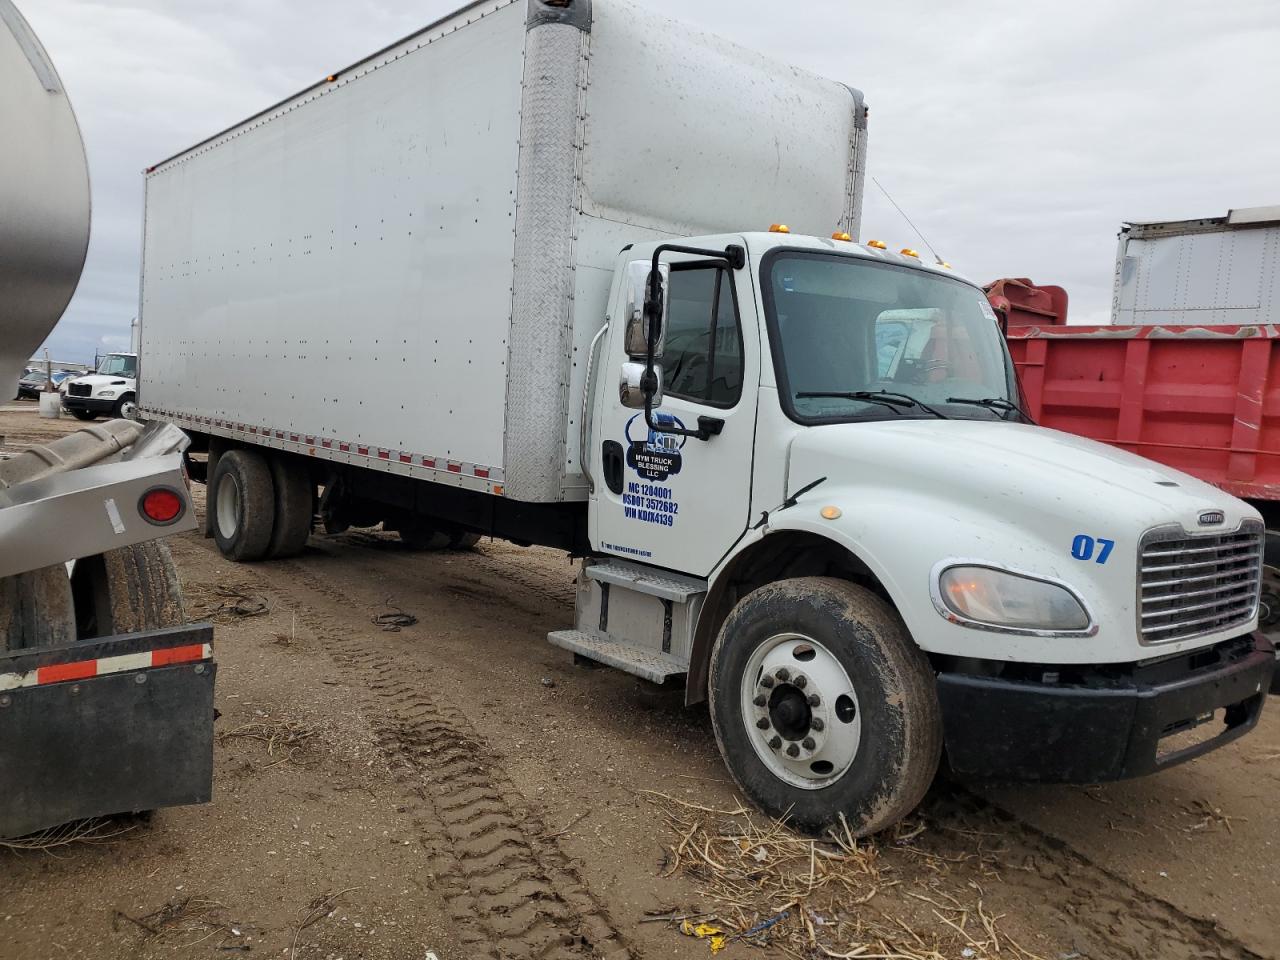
1192	585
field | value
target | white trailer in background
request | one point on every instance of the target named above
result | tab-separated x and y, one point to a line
525	274
1214	271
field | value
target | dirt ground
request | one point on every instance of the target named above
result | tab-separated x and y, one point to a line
458	788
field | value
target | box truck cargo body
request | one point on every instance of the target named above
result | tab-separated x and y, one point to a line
570	274
439	224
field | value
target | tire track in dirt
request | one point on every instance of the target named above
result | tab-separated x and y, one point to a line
1109	916
511	891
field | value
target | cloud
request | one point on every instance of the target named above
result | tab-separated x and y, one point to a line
1017	136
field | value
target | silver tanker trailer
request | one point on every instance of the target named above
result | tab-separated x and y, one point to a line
106	693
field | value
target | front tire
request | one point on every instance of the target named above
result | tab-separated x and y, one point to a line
823	706
124	408
242	501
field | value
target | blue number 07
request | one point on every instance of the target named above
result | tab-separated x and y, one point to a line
1082	548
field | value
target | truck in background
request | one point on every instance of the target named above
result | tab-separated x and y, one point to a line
106	693
1186	373
792	464
108	391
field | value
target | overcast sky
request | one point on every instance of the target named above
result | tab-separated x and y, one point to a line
1017	135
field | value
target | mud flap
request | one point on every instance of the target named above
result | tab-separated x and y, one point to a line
113	725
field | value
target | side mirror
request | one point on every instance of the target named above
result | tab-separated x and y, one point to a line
631	385
637	333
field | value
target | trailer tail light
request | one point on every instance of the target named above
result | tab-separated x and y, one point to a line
779	228
161	506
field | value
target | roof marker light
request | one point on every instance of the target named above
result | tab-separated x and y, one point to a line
840	235
908	252
878	244
779	228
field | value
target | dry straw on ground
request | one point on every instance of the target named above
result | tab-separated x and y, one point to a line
224	603
284	738
835	897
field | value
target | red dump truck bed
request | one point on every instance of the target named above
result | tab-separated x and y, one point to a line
1205	400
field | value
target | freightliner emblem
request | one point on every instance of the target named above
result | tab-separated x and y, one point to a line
1210	517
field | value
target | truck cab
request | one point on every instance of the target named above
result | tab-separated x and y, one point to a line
109	391
815	494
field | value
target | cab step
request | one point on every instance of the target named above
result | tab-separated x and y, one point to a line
664	585
651	665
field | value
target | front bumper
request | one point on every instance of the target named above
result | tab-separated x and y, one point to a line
1104	723
88	403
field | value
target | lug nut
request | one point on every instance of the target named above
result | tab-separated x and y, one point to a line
760	700
763	723
814	700
782	673
817	724
800	680
793	751
808	743
766	682
775	742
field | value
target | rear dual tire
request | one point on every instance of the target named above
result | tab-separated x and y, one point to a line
824	709
262	508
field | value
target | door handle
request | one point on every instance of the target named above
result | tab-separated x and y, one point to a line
709	427
611	460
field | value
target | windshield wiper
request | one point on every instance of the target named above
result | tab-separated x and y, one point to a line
886	397
994	403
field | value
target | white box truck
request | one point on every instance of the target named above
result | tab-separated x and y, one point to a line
511	276
1211	271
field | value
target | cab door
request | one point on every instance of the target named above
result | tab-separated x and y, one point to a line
674	501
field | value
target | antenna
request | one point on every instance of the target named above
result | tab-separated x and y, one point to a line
927	244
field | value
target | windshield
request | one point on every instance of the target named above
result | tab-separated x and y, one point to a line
118	365
843	325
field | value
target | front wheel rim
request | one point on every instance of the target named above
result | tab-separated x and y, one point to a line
800	711
228	506
128	409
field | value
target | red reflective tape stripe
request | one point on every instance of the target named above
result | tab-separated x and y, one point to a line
194	651
428	461
482	473
405	458
455	468
80	670
363	451
384	454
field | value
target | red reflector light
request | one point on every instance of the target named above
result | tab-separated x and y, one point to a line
161	505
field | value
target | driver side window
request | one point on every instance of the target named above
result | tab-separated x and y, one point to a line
702	360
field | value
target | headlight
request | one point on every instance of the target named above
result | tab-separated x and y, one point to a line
107	394
998	599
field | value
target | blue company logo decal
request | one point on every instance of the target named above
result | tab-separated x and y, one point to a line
657	456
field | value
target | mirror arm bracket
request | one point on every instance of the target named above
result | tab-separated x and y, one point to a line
734	256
